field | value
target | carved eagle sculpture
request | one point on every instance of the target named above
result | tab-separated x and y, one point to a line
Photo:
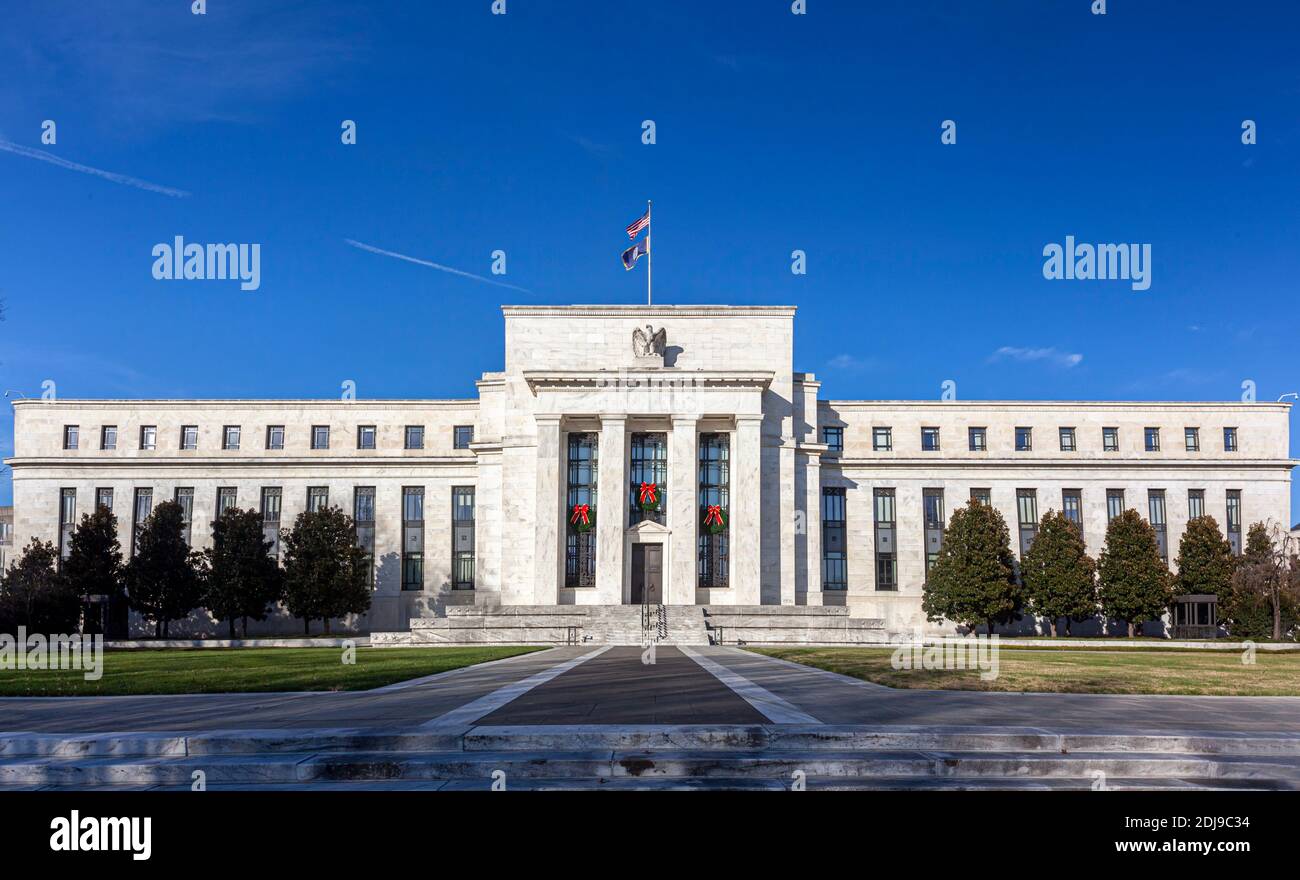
648	342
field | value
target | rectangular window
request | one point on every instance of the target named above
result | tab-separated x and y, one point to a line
412	537
363	515
71	436
1229	439
1110	439
462	537
108	437
272	497
1114	503
148	436
230	437
1067	440
1192	437
979	439
929	439
67	520
882	439
1195	503
139	513
320	436
580	540
1024	439
1027	513
1234	520
275	437
886	546
833	437
932	512
415	436
184	496
714	492
189	437
462	436
1072	506
1151	439
104	499
1156	516
318	498
648	478
983	496
226	498
835	566
365	437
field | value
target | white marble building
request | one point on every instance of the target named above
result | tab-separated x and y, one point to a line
823	501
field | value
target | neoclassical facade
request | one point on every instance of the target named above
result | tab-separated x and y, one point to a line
666	453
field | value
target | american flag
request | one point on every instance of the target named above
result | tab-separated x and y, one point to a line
635	229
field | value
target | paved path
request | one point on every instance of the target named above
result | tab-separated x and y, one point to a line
579	685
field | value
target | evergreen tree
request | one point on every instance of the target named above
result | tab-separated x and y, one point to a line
1205	560
1265	596
36	595
1060	578
973	581
1135	583
240	579
94	563
326	575
163	578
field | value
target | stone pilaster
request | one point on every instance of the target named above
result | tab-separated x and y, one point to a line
547	562
683	509
611	519
812	521
745	527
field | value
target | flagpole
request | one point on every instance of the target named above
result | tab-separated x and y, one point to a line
650	254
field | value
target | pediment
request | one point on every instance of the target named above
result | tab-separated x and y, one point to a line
649	527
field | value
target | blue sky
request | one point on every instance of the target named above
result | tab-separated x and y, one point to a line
775	132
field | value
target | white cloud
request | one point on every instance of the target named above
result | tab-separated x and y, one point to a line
1027	355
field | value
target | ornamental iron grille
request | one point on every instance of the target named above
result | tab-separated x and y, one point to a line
649	464
715	489
835	575
580	547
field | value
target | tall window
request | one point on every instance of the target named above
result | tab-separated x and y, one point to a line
715	490
833	437
1067	440
227	496
365	436
189	437
67	520
230	437
320	436
412	537
580	547
139	513
886	547
1114	503
104	499
462	537
415	437
882	439
1110	439
1229	439
1156	511
1192	439
271	501
1072	506
148	436
363	514
1027	513
932	510
1234	520
929	439
71	436
649	464
1024	439
835	566
275	437
108	437
462	436
1195	503
318	498
1151	439
184	496
983	496
978	438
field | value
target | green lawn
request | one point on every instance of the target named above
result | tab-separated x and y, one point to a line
231	670
1086	671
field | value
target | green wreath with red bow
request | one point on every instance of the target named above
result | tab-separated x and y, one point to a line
649	497
715	519
582	518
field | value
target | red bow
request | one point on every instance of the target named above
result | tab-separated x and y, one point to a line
713	515
580	511
648	495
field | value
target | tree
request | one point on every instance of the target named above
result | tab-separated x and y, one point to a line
326	574
36	595
94	563
240	579
973	581
1205	560
163	579
1060	578
1135	583
1265	598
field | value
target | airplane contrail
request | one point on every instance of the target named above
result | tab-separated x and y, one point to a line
438	266
136	182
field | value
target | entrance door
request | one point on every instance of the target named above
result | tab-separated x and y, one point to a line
647	573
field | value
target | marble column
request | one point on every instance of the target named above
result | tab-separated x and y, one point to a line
812	505
683	509
612	505
548	572
746	498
